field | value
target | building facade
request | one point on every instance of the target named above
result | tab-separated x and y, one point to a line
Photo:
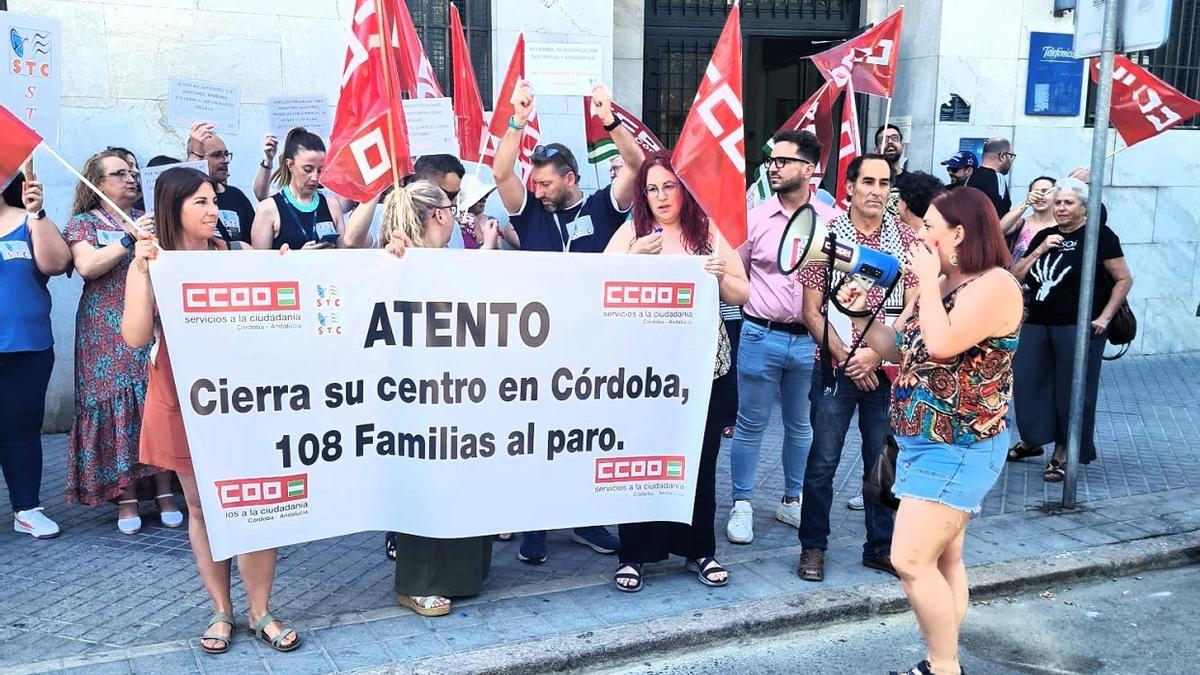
119	54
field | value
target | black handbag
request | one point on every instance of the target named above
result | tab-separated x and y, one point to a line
1122	329
882	477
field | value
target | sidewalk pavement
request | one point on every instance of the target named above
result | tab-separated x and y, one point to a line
97	601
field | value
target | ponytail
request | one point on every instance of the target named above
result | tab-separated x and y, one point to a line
407	210
298	139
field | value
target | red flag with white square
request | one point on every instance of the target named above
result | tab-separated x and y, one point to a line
17	143
867	61
1143	106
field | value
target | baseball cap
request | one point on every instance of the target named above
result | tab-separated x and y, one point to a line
963	159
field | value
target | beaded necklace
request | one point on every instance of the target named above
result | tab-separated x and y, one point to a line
310	207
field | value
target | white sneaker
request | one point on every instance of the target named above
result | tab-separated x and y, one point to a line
856	503
34	522
788	513
740	529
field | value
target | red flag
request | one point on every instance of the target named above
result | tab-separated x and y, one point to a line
17	142
468	105
416	72
504	110
1143	106
848	146
710	157
369	134
816	116
599	141
869	60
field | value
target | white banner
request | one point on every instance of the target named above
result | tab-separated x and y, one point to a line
371	393
30	86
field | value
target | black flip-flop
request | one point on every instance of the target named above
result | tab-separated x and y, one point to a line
636	575
704	572
1021	451
1054	473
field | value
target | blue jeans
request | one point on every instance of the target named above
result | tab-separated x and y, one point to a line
831	415
24	377
770	363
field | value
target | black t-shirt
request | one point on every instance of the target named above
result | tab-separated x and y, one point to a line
237	215
991	184
584	228
1053	280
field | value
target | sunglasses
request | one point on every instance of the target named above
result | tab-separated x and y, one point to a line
544	153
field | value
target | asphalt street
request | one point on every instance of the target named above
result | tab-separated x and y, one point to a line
1136	624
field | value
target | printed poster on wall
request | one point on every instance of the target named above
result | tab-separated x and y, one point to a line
410	383
30	87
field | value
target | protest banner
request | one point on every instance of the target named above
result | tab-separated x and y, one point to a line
563	68
30	86
285	113
431	126
191	101
372	393
150	176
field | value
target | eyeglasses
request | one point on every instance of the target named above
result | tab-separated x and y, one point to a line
1008	155
218	155
661	192
544	153
452	207
778	163
123	174
894	138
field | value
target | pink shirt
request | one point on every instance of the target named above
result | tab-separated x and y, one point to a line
773	296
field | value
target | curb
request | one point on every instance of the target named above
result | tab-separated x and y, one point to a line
626	642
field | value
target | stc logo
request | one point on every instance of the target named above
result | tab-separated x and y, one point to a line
639	469
30	52
648	294
238	493
248	296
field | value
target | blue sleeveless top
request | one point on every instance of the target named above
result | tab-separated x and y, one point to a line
24	298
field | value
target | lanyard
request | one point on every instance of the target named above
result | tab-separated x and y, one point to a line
564	232
309	233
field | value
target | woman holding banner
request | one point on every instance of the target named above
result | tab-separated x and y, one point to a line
667	220
298	215
110	378
431	571
31	251
186	217
955	345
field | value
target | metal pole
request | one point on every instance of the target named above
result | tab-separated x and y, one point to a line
1091	242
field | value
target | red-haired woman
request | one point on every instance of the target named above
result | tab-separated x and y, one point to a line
668	221
955	347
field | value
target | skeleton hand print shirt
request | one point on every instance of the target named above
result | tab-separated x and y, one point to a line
1054	280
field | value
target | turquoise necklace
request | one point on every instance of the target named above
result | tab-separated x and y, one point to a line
310	207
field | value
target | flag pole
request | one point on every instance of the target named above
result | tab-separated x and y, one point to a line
385	39
1116	152
103	197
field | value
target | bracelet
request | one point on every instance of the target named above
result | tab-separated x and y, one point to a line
512	123
615	123
265	165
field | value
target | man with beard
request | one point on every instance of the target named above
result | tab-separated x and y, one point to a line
960	167
237	212
775	350
555	216
997	161
843	381
890	143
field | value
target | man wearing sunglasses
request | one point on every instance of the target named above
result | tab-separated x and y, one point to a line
775	351
236	209
988	177
555	215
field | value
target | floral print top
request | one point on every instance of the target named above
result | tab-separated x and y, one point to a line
958	401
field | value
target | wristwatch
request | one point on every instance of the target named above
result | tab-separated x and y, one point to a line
40	215
615	123
265	165
128	241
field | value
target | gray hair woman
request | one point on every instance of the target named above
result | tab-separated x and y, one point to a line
1052	271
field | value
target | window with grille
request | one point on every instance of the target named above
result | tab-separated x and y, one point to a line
1177	62
432	19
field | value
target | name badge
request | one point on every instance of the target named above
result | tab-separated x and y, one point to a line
106	237
15	250
582	227
326	229
232	222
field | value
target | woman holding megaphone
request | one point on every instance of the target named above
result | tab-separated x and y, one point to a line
955	345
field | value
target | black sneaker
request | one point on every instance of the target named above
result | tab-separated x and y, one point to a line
883	563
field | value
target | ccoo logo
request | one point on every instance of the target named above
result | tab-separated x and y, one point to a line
648	294
237	493
639	469
247	296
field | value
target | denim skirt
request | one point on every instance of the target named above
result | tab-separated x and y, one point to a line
958	476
